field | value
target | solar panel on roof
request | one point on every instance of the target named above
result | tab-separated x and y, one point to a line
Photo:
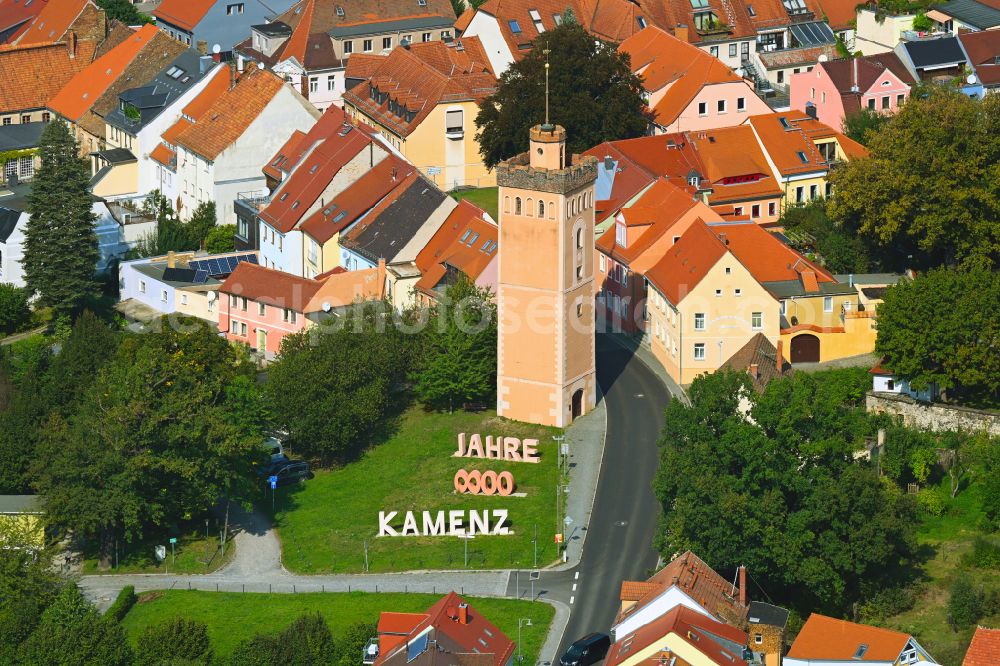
416	647
200	277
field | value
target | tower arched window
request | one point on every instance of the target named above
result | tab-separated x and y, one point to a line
541	208
530	203
552	210
579	238
506	204
517	205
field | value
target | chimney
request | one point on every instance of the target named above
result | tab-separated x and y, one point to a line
780	362
811	110
463	609
754	371
232	76
854	76
681	32
205	63
72	43
380	273
171	259
743	585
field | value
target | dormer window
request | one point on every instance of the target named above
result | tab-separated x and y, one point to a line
421	3
794	7
557	18
621	237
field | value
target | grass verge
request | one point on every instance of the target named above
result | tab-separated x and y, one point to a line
325	523
484	197
235	617
194	553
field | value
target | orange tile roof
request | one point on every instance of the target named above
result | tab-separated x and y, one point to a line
827	638
692	627
280	163
767	258
633	590
420	78
984	649
183	13
686	263
463	21
231	114
53	21
447	248
340	288
164	156
270	286
295	46
216	86
32	75
784	144
175	130
840	14
630	179
84	89
17	14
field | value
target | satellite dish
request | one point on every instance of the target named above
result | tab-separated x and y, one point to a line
823	57
212	296
971	80
266	192
260	65
326	306
216	48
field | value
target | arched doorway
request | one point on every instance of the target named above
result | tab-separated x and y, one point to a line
805	348
577	404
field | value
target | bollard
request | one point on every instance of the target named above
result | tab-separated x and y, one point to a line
293	588
324	587
244	588
216	587
269	588
189	586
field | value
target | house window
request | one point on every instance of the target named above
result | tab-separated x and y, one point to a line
142	286
714	51
7	121
624	276
454	121
702	108
800	194
261	309
243	330
823	97
729	270
27	165
331	82
289	316
756	320
579	309
890	385
604	262
25	120
234	327
426	37
772	209
517	205
387	42
899	101
718	293
741	104
781	76
641	21
828	304
313	84
737	210
184	299
46	116
699	351
163	295
579	272
699	321
871	104
812	93
541	208
243	304
829	190
885	102
579	239
348	46
782	308
732	50
758	639
813	192
234	9
721	106
366	46
755	211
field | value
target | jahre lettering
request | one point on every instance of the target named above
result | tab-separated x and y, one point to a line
497	448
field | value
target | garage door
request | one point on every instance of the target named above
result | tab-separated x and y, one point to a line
805	349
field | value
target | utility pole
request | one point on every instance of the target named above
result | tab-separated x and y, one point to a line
535	542
366	555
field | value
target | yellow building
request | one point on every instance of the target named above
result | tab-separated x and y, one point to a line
545	296
801	152
21	522
424	98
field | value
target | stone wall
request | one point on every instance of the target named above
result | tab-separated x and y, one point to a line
933	416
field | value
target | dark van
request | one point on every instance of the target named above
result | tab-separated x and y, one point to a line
588	650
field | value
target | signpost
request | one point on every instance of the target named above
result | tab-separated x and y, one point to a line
533	576
466	537
173	556
273	482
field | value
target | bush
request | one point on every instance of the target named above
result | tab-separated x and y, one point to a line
886	603
306	641
931	502
985	554
14	311
965	606
123	604
220	239
177	640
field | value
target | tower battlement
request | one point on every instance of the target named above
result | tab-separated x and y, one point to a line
517	172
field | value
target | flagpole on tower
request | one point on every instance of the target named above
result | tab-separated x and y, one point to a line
546	52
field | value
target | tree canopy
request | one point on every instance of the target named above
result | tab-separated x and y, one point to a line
593	94
781	494
60	243
943	328
929	193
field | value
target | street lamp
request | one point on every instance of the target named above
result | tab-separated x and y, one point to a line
526	622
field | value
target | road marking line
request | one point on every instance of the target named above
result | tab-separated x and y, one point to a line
571	599
576	576
574	587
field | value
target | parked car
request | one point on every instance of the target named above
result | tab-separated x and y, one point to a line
295	471
588	650
271	467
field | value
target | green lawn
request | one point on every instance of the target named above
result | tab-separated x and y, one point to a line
193	554
949	537
324	523
234	617
484	197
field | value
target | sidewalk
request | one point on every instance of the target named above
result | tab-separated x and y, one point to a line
585	439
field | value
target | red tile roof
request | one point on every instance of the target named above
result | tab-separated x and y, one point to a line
984	649
53	21
288	156
630	179
790	145
767	258
633	590
845	73
184	14
84	89
419	78
279	164
164	156
477	635
18	14
32	75
840	14
686	263
341	288
271	287
983	49
465	242
295	46
231	114
217	85
692	627
827	638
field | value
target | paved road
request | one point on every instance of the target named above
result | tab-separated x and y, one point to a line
619	542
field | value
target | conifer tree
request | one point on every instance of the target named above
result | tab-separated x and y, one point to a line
60	244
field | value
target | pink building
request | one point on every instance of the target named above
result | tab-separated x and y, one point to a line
839	88
260	306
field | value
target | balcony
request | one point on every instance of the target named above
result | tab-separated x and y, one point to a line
371	652
254	201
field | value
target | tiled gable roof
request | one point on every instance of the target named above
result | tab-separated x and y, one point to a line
231	114
16	15
760	353
269	286
840	14
691	626
84	89
152	59
184	14
984	649
419	78
846	73
32	75
983	49
766	257
465	242
684	266
828	638
54	20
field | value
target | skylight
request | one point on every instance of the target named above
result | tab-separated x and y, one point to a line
536	19
422	3
340	11
860	652
751	10
784	122
642	21
515	27
468	232
699	4
175	72
473	239
802	156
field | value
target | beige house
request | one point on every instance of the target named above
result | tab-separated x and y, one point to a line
545	300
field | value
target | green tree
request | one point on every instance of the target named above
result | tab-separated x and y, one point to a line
220	239
14	310
331	386
594	94
72	633
863	124
930	190
60	243
175	639
305	642
457	362
27	588
942	328
965	604
124	11
840	250
157	437
352	643
202	222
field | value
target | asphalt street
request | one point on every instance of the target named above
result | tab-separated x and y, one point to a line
625	515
